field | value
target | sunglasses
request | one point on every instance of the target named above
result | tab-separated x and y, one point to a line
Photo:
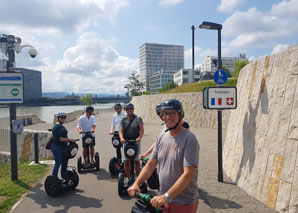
129	109
117	108
64	117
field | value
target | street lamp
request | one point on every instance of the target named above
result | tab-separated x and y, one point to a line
127	87
218	27
193	52
9	44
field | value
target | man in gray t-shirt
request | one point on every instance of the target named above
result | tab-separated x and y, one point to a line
176	153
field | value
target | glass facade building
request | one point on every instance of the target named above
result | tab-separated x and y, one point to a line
32	85
159	80
161	58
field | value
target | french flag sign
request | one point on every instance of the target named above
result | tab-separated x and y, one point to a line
220	98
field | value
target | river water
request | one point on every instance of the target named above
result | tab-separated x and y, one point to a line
46	113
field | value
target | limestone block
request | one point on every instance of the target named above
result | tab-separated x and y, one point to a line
294	62
293	126
267	178
290	154
274	181
293	207
283	197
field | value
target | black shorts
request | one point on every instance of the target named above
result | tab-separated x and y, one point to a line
86	145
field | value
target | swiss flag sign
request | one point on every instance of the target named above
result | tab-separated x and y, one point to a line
230	101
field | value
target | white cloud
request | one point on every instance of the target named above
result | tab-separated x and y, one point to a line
55	17
229	5
286	9
252	28
169	2
91	64
279	48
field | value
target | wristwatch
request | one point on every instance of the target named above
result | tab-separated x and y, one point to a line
168	198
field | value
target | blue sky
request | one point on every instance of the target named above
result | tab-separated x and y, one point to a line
92	46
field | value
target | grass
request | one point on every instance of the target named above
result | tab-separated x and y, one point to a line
199	86
11	192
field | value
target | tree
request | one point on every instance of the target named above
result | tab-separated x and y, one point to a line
168	86
238	65
227	71
135	85
88	100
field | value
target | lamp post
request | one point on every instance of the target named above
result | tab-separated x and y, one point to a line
218	27
193	52
127	87
9	45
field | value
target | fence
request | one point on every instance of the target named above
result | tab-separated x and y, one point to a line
5	140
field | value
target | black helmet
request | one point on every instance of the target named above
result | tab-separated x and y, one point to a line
61	114
129	105
89	109
118	105
158	108
172	104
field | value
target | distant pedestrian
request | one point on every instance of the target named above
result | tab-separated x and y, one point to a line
176	155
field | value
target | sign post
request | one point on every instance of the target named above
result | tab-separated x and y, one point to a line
220	98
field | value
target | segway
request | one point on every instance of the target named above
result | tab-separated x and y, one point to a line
143	204
153	180
88	166
53	185
116	164
130	151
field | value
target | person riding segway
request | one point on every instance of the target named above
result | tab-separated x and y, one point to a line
86	126
63	148
116	164
131	133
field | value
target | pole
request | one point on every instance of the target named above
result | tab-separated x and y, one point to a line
12	112
193	52
36	148
219	117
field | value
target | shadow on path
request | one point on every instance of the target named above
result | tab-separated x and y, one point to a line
217	203
65	200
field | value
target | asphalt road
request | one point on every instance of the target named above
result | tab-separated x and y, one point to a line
97	190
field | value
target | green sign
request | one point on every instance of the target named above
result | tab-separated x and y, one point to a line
15	92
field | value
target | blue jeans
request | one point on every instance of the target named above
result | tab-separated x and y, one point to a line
60	159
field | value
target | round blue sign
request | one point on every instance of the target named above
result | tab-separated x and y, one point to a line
220	77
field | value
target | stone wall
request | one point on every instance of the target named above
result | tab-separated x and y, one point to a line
194	112
260	150
25	146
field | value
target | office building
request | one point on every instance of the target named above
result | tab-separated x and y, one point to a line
209	64
32	85
185	76
161	58
158	80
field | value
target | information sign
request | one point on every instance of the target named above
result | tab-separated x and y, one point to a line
11	88
220	98
220	77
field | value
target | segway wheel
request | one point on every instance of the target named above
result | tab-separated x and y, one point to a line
74	177
143	187
121	184
112	166
96	156
52	186
79	164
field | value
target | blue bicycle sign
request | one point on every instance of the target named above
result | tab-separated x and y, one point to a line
220	77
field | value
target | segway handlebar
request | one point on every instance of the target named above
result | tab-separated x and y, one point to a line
146	198
130	141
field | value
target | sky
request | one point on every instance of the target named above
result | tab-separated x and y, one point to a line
92	46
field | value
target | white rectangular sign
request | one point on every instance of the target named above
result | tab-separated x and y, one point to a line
222	97
11	88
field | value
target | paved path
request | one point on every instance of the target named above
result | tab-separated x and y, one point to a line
97	191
